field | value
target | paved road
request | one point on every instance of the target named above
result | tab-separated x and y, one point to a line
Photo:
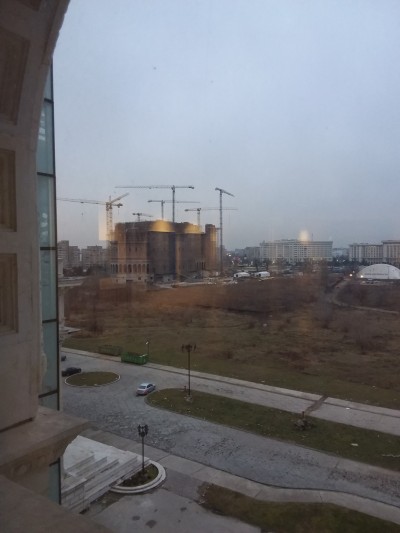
115	408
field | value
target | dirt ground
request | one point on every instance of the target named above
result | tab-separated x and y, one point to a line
284	332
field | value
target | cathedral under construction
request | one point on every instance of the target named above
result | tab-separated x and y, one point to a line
162	251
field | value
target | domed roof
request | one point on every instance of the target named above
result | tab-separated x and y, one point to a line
379	271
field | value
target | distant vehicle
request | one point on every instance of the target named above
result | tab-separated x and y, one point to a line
145	388
261	275
240	276
70	371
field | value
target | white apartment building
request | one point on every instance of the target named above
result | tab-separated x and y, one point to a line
94	256
69	255
391	252
63	252
387	252
365	252
296	251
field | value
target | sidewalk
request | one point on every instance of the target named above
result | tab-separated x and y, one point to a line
326	408
199	474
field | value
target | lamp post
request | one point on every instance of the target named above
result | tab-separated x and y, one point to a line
188	348
148	347
143	429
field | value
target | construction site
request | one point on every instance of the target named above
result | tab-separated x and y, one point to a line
160	250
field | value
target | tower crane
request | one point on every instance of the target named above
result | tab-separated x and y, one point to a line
109	205
172	187
162	202
141	215
199	209
221	192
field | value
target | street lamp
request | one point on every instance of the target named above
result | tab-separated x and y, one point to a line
148	347
188	348
143	429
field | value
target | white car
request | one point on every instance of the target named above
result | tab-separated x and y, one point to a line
145	388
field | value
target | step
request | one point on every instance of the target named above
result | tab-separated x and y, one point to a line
91	468
75	460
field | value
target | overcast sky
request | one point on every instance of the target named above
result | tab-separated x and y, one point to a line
292	106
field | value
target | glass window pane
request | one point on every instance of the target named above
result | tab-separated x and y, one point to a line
50	380
48	283
45	159
54	482
50	401
48	90
46	211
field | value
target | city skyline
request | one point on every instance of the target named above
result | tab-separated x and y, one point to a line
366	243
291	107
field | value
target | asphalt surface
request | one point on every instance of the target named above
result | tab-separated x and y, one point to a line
116	409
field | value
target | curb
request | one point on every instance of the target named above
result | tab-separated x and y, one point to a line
120	489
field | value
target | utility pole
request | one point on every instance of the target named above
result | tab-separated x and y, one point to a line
188	348
143	429
221	192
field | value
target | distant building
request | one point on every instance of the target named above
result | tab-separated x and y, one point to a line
94	256
387	252
340	252
366	253
252	253
74	256
296	251
69	255
162	251
62	253
239	252
391	252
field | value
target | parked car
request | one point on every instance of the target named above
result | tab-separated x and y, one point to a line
145	388
70	371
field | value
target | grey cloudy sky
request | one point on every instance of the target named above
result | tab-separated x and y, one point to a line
292	106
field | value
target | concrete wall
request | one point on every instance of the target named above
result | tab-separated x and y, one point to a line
28	31
31	437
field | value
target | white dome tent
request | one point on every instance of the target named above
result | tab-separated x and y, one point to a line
379	271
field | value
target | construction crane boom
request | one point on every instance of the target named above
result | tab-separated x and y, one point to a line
162	202
141	215
172	187
109	205
84	201
221	192
199	209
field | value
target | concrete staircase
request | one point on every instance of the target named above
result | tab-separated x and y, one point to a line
91	468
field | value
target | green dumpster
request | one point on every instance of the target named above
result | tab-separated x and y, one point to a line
109	349
135	358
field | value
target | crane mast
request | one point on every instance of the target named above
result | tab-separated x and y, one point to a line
162	202
199	209
109	206
221	192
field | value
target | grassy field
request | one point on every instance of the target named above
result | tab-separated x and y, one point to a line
358	444
280	332
291	517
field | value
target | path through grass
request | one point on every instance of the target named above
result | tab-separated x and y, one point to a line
292	517
358	444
